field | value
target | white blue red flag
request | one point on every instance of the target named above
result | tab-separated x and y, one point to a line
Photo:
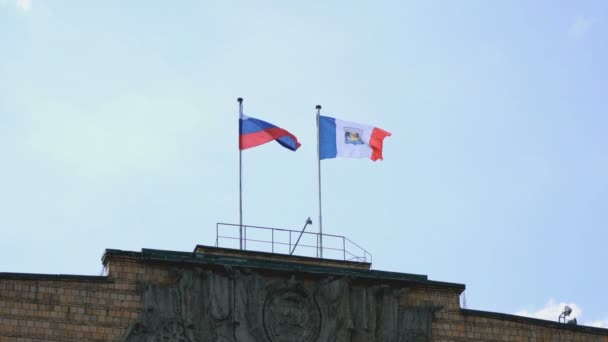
345	139
255	132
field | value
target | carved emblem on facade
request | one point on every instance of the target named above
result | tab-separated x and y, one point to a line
172	331
217	306
291	314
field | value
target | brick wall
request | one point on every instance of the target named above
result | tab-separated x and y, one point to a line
64	308
453	324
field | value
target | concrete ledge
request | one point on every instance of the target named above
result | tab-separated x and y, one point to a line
283	258
534	321
39	276
242	260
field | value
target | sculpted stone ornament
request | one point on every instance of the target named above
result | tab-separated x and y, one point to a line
290	313
172	331
241	305
177	312
415	323
335	296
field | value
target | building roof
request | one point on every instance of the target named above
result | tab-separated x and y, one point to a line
213	256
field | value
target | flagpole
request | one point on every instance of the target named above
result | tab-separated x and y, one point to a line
320	252
240	100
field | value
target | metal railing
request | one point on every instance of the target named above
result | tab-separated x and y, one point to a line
283	241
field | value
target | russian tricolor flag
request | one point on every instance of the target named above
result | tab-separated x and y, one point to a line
255	132
338	138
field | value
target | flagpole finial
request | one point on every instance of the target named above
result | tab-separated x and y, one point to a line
239	100
318	107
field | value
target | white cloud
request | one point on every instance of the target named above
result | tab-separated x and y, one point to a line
552	310
598	324
24	5
580	27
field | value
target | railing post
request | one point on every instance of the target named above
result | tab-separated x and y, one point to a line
245	238
290	240
272	241
344	247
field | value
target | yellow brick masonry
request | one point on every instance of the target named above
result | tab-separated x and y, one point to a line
62	310
69	310
451	325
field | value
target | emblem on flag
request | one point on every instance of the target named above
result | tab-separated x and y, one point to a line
352	136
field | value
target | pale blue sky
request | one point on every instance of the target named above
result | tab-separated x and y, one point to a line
118	125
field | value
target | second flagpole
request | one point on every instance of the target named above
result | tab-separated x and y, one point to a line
320	251
240	100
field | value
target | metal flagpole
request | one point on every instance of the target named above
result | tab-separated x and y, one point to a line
320	252
240	100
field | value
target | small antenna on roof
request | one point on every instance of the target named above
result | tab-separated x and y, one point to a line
308	221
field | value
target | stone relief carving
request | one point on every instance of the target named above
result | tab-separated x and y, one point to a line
334	294
415	323
172	331
237	305
290	313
